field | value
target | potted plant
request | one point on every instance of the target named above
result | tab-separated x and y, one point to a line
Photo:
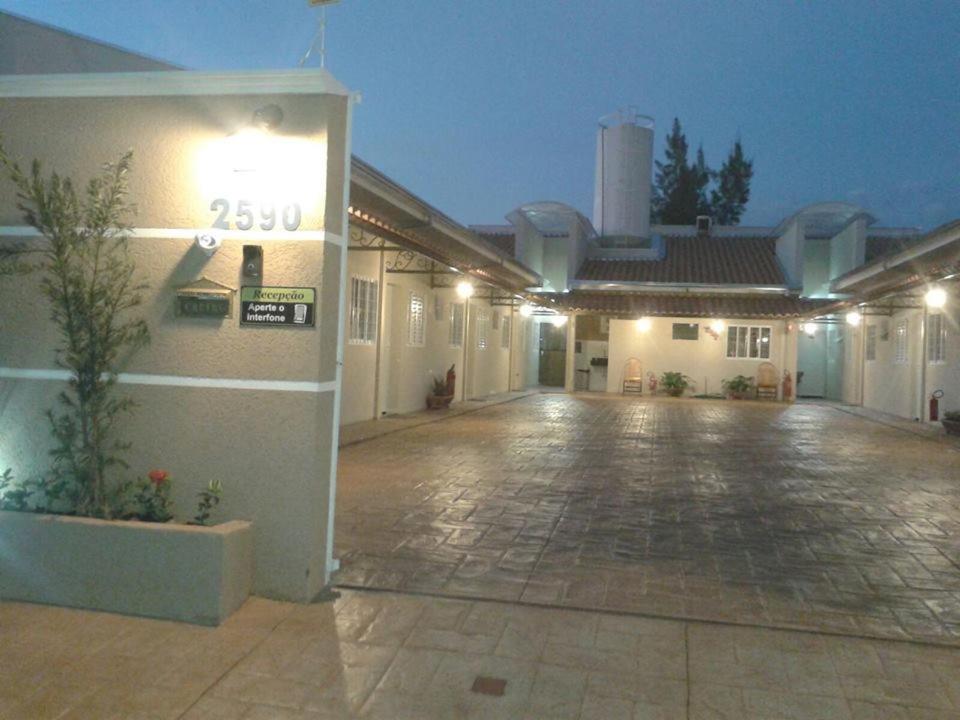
738	387
440	396
675	383
951	422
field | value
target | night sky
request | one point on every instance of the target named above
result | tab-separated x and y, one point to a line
481	106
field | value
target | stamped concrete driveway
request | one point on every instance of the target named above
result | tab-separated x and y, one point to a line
763	514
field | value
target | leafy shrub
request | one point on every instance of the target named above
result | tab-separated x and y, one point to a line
738	385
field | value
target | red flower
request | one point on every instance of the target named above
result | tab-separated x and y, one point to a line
158	477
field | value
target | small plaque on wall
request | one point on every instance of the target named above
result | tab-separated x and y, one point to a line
205	298
290	306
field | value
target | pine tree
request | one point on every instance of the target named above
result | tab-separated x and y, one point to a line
702	177
669	176
682	189
729	199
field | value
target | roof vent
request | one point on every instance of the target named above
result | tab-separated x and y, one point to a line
703	225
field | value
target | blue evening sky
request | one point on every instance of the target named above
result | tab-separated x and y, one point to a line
481	106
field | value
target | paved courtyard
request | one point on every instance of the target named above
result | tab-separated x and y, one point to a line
386	656
799	517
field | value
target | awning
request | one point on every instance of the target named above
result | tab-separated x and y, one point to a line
386	209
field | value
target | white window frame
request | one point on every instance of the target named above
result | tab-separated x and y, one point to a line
364	310
456	325
416	321
936	339
483	320
505	333
870	344
437	307
747	331
901	347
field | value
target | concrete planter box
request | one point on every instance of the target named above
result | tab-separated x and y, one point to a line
176	572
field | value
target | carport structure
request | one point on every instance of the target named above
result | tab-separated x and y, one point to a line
799	516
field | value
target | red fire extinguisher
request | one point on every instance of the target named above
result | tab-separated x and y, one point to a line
451	380
651	382
787	385
935	404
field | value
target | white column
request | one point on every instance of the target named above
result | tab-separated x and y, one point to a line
570	364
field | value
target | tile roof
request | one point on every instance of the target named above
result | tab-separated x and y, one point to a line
503	242
682	304
696	260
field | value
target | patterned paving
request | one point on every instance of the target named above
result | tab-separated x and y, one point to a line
782	516
387	656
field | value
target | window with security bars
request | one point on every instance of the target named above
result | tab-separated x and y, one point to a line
363	311
870	343
456	324
900	356
483	320
748	341
438	308
936	339
415	321
505	333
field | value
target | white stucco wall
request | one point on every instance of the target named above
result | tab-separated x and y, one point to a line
704	360
894	387
359	359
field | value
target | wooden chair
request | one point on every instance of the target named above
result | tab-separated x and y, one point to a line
768	381
633	377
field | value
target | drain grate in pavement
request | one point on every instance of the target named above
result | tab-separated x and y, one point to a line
489	686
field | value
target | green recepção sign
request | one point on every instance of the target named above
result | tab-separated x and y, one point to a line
294	306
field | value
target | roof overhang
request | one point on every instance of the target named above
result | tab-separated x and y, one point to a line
383	206
691	304
653	287
934	257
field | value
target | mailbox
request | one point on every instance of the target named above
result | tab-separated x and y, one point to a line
205	298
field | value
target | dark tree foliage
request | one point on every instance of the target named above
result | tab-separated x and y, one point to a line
90	283
682	187
729	199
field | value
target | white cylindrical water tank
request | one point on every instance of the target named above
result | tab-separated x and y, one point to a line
621	203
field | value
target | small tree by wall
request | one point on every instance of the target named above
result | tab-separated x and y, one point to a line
91	285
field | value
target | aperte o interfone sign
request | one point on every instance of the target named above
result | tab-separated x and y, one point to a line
290	306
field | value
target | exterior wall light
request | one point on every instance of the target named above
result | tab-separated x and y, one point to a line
464	289
718	326
644	324
558	320
267	117
853	318
810	329
936	297
526	310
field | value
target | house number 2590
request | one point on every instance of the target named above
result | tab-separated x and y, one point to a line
244	217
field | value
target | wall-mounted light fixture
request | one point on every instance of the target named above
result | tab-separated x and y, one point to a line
644	324
853	318
526	310
558	320
810	329
936	297
209	242
267	118
715	328
464	289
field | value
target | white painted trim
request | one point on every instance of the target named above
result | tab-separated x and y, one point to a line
25	231
315	81
178	381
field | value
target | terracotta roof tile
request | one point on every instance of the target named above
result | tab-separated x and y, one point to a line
697	260
682	304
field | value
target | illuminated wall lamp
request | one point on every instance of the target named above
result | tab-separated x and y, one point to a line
464	289
715	328
810	329
853	318
935	298
526	310
644	324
